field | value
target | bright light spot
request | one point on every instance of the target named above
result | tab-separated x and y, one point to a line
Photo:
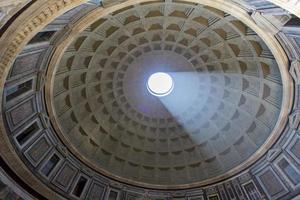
160	84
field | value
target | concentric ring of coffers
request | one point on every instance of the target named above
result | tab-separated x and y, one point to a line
235	74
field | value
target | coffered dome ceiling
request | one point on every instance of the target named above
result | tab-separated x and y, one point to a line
225	104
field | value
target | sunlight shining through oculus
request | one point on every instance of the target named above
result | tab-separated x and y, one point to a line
160	84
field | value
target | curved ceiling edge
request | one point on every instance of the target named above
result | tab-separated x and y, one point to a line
228	7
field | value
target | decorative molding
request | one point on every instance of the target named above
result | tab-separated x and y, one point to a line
264	23
272	154
9	8
44	11
29	23
295	71
4	3
294	120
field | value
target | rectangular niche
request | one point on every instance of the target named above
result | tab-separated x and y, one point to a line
294	148
237	188
251	191
80	186
230	191
65	176
27	62
19	90
38	150
26	134
213	197
96	191
113	195
289	171
271	183
21	113
42	37
50	165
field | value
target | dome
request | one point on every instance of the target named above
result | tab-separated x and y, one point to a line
224	106
150	99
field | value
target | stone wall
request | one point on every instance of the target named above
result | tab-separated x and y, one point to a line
275	176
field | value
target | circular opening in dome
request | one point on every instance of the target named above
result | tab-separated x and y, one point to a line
160	84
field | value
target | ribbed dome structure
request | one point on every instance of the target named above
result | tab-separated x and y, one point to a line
81	120
225	104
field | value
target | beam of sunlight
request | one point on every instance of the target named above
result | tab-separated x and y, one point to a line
191	100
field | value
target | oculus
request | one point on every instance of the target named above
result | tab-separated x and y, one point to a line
160	84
